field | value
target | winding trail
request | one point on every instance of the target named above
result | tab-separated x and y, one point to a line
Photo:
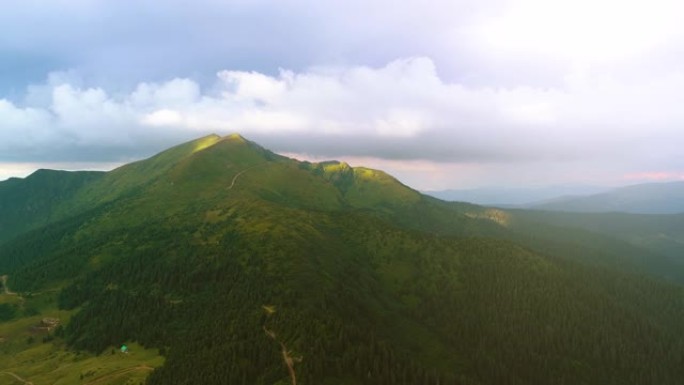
287	358
232	183
26	382
7	290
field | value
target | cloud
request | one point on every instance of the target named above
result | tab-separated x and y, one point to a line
403	111
581	31
117	44
120	43
570	85
655	176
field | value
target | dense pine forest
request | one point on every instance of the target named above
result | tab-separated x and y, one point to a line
224	256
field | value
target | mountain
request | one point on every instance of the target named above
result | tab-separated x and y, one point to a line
660	234
512	197
223	262
649	198
31	202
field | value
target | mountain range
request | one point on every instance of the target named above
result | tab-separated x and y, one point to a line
227	263
513	196
647	198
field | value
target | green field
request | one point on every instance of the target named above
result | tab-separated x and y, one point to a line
33	356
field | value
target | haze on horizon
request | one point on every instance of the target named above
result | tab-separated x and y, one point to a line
452	94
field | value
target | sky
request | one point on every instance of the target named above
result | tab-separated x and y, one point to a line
442	93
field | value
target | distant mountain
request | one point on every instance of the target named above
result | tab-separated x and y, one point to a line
650	198
243	266
512	197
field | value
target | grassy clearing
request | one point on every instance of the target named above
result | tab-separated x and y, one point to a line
49	363
25	353
11	299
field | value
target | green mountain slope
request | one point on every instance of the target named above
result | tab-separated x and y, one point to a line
231	260
31	202
660	234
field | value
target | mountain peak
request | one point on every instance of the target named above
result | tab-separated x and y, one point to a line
235	137
334	166
204	142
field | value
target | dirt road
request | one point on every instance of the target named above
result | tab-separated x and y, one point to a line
3	279
232	183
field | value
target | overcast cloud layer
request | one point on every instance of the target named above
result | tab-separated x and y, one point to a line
448	94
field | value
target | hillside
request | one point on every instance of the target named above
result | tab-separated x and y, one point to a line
662	234
650	198
235	263
32	202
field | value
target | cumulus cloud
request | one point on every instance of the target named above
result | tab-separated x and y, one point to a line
402	110
563	88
